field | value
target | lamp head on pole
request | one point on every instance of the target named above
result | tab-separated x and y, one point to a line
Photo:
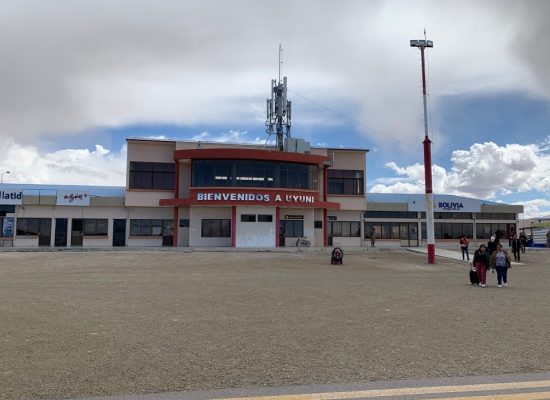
422	43
2	175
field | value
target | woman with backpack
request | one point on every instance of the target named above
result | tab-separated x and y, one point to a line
482	262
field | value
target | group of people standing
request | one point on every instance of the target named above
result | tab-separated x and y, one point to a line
491	257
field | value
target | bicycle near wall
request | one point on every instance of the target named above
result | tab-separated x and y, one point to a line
303	242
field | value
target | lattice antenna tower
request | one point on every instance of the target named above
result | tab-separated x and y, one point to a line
278	108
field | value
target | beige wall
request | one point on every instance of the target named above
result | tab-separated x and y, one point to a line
319	232
69	212
183	233
256	234
309	231
387	206
348	159
148	151
348	216
196	215
146	198
357	203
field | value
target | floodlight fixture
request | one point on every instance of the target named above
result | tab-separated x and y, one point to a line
2	175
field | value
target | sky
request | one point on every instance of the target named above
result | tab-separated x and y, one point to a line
78	78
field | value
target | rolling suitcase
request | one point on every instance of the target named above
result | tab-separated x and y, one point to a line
473	276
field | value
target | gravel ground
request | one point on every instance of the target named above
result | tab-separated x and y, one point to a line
99	323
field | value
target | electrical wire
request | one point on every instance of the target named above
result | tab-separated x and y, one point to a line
371	129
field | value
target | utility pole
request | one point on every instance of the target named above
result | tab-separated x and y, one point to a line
422	45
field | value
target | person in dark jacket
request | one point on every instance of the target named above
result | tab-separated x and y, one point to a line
482	262
516	247
523	240
492	245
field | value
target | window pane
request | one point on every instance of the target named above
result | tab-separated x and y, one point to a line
89	226
102	226
346	229
355	229
45	226
33	226
394	230
336	228
156	227
134	227
248	217
145	227
266	218
225	228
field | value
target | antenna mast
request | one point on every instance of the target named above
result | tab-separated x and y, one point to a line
278	108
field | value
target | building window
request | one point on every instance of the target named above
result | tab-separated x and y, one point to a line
184	223
485	231
265	218
496	216
349	182
152	175
391	214
292	228
254	173
248	217
452	215
387	230
95	227
444	230
344	229
34	226
6	227
318	224
216	228
151	227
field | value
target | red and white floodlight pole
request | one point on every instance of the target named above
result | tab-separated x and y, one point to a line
423	44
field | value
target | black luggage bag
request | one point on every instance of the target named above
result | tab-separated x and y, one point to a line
473	276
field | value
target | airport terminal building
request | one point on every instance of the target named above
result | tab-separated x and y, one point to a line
197	194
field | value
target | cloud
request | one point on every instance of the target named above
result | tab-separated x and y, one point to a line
485	170
231	136
64	167
100	63
535	208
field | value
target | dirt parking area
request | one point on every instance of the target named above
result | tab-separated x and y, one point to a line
123	322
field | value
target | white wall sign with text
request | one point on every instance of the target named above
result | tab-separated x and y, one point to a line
72	198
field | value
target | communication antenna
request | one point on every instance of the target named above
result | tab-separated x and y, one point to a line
278	108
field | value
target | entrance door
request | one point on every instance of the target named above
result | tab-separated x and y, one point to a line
119	232
45	232
77	232
61	225
408	234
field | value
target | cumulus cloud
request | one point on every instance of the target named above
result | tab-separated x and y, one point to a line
535	208
485	170
64	167
80	65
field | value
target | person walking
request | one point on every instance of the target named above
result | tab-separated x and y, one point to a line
523	240
516	247
482	262
501	261
372	236
464	247
492	245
